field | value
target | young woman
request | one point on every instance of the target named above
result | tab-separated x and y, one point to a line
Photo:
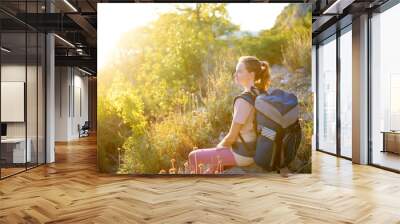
253	76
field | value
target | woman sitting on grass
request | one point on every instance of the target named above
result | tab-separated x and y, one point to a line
253	76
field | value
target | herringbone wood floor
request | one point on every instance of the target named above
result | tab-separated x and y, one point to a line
71	191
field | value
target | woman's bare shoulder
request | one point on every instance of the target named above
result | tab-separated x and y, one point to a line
242	103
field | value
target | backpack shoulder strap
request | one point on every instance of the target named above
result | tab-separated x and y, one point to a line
246	96
249	96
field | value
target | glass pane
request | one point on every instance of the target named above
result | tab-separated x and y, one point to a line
385	89
31	97
13	86
31	86
346	94
314	73
327	96
41	98
23	90
77	110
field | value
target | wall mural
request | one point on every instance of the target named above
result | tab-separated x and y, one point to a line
205	88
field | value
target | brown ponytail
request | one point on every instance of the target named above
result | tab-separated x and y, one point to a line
261	70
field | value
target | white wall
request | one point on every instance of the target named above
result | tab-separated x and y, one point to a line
12	73
62	81
81	103
71	94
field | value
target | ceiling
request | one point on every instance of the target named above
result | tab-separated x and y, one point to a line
73	21
332	15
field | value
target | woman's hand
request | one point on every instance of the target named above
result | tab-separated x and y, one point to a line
221	144
231	137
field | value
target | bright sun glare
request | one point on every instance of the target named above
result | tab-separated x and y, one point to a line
116	19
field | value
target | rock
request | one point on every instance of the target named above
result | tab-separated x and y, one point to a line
253	168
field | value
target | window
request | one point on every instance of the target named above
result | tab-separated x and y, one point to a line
385	88
346	92
327	96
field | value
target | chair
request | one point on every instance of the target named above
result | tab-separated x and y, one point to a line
84	130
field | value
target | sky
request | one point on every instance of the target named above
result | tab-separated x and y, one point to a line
114	19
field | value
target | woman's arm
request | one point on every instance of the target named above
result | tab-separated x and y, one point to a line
232	135
242	110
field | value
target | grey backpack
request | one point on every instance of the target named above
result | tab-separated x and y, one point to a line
277	127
